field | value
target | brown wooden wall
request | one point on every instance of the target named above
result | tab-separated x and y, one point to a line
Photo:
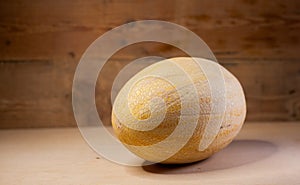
41	42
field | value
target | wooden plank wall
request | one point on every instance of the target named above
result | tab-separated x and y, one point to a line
41	42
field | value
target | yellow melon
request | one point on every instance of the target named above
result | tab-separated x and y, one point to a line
179	110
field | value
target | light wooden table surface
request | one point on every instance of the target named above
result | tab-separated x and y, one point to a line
263	153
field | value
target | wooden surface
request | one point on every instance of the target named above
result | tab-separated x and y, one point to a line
41	42
263	153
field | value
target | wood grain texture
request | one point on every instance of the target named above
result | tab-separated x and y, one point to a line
41	42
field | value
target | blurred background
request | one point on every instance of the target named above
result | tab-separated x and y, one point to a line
41	42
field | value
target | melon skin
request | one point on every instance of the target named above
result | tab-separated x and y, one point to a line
146	87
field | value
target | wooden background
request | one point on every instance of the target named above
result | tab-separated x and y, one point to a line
41	42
